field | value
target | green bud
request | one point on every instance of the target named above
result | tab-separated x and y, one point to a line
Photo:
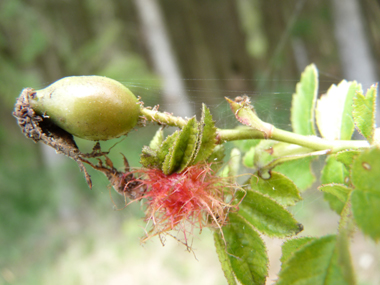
89	107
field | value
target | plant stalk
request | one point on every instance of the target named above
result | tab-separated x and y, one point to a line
224	135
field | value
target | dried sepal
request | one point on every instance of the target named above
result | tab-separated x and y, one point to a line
41	129
246	114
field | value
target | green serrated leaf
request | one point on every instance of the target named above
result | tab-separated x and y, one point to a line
347	157
180	153
292	245
191	143
365	172
299	171
314	263
266	215
348	125
278	187
248	159
148	158
303	103
335	204
347	227
334	111
207	136
165	147
340	191
169	164
157	139
246	251
334	171
224	259
364	109
366	210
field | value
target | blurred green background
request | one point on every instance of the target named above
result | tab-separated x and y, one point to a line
53	228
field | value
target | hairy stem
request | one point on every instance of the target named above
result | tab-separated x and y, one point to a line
224	135
162	118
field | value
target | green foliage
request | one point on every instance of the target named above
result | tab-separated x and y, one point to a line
349	179
157	140
302	113
278	187
299	171
334	172
194	143
182	151
280	165
224	258
334	111
347	157
315	261
293	245
207	134
365	198
337	195
364	113
365	171
245	250
366	209
267	216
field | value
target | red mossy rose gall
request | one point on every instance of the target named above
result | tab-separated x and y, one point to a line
194	198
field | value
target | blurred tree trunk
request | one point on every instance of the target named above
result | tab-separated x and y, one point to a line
164	62
210	45
355	52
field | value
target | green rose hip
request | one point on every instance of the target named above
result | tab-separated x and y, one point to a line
89	107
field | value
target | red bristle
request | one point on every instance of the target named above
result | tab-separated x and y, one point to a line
195	196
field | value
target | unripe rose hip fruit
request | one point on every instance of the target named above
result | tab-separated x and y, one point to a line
89	107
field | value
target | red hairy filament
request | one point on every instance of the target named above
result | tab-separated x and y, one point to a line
194	196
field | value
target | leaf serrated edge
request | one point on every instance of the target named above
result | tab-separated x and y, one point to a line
295	199
206	143
296	95
286	265
263	244
192	143
295	232
173	161
322	188
358	120
157	140
224	259
165	151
